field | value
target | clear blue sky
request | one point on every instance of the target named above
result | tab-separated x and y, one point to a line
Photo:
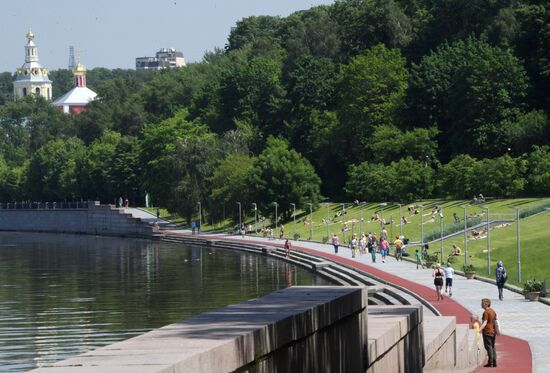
113	33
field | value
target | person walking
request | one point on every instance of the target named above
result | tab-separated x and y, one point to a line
282	232
384	246
363	244
353	245
489	332
449	271
371	247
398	248
419	261
501	277
335	243
287	247
438	281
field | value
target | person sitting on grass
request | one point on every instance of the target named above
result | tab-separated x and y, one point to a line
455	251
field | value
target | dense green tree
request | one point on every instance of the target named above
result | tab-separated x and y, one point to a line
310	33
94	173
125	170
230	183
533	46
469	90
311	86
177	157
255	29
62	82
532	128
372	91
366	23
53	170
502	177
443	21
388	143
457	178
538	175
6	88
282	175
253	92
404	180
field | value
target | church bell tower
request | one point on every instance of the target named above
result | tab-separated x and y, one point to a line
32	78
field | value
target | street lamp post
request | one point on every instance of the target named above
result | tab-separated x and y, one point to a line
465	235
343	220
276	219
328	221
240	220
421	227
255	217
200	217
310	221
488	241
400	222
441	231
294	216
361	217
517	236
382	214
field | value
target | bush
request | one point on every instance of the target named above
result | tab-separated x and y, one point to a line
296	236
532	286
468	268
431	258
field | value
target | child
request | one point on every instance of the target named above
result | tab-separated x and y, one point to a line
418	255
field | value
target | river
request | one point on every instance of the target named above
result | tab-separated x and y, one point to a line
62	295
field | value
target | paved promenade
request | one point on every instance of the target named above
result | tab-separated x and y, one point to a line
522	320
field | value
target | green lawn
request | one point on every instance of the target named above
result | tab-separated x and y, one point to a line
535	230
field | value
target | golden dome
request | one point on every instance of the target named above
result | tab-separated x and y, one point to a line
79	69
30	35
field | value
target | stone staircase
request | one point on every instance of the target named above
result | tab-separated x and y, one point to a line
447	346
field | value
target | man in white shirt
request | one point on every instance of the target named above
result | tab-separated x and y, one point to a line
449	271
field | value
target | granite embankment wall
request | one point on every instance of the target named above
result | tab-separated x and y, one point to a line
298	329
92	219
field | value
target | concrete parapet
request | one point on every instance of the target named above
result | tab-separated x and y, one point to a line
299	329
94	219
395	339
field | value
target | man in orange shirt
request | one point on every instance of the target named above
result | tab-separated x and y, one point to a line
489	332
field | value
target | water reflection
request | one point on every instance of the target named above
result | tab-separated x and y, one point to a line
61	295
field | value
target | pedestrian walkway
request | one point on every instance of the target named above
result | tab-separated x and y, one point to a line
524	346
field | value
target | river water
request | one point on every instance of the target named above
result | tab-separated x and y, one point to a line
62	295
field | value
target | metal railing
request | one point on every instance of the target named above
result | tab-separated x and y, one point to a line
28	205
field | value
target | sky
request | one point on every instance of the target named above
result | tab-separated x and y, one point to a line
113	33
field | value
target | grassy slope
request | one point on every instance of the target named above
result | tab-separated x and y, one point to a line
535	231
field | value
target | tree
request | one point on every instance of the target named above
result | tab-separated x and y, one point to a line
388	143
252	30
125	170
469	90
94	174
53	170
501	177
311	86
282	175
404	180
253	92
538	175
230	183
366	23
372	91
458	177
177	157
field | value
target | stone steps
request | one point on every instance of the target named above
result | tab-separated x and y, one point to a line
447	346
